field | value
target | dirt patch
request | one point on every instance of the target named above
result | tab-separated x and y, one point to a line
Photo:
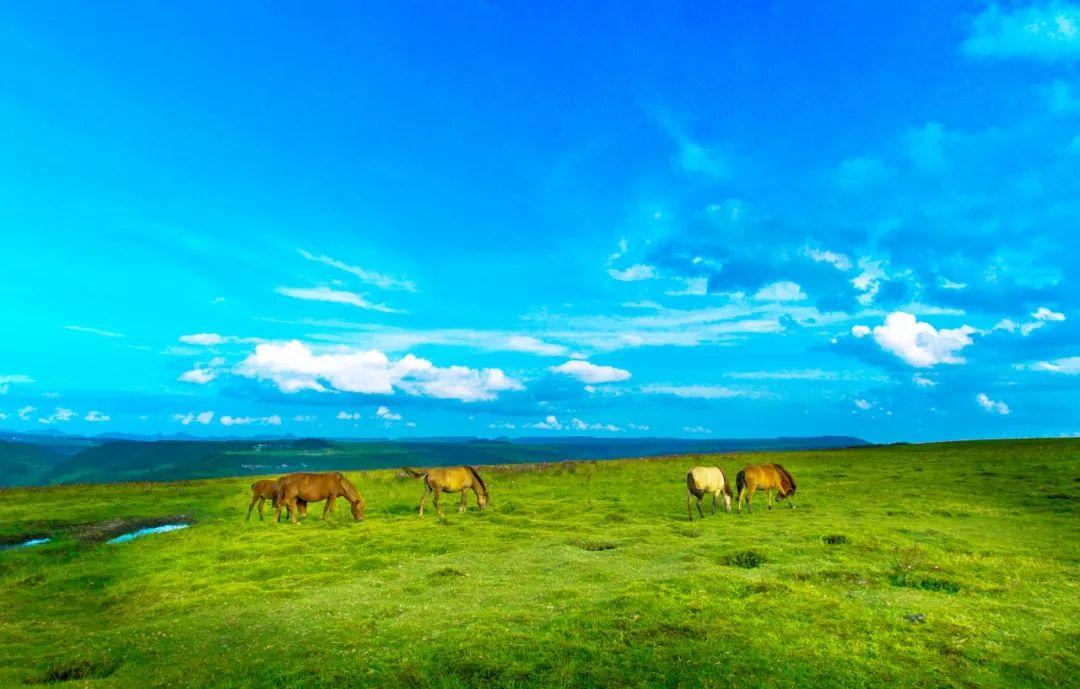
111	528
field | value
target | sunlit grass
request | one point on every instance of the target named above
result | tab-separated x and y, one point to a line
946	565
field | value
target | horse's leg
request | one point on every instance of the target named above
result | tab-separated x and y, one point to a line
699	506
427	489
464	501
749	496
714	503
727	502
262	501
770	498
254	498
293	511
329	506
278	505
435	501
689	512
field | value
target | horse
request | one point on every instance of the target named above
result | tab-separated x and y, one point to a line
309	487
767	477
451	480
702	480
269	489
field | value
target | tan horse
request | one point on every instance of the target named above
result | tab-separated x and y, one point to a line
307	487
451	480
707	480
766	477
269	489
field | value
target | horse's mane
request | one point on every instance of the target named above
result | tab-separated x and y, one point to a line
350	489
787	476
479	480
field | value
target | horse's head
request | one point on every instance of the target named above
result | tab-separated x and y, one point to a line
358	510
482	499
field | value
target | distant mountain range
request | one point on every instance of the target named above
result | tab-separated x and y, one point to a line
42	459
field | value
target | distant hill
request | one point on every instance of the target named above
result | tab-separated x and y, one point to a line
41	460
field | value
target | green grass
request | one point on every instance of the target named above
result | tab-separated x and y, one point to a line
911	566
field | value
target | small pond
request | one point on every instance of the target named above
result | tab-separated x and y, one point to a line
132	535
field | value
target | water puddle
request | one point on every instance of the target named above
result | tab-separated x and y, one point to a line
25	544
132	535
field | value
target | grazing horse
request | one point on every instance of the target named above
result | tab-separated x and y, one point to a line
307	487
766	477
451	480
269	489
702	480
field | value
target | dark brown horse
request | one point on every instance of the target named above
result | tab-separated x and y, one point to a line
451	480
309	487
766	477
269	489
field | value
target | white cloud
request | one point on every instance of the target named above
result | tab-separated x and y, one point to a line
59	415
334	296
922	381
591	373
370	277
348	416
531	345
1006	324
4	380
1045	314
1069	366
780	291
25	412
550	423
506	425
919	343
1041	32
96	417
198	376
93	331
946	283
303	418
634	273
385	414
293	367
692	287
274	420
579	425
206	339
192	417
697	429
838	261
864	404
704	392
637	427
869	280
860	330
991	406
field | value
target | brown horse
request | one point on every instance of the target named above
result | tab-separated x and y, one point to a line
703	480
451	480
269	489
308	487
766	477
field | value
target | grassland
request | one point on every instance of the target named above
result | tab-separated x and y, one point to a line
948	565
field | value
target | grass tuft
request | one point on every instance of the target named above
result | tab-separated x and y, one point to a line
747	559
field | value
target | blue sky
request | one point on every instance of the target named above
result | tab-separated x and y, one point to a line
714	220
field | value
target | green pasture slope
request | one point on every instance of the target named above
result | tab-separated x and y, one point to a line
952	565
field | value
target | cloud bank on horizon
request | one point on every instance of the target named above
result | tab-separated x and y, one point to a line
730	221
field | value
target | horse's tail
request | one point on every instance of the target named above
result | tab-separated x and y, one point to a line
786	474
727	486
740	482
414	473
